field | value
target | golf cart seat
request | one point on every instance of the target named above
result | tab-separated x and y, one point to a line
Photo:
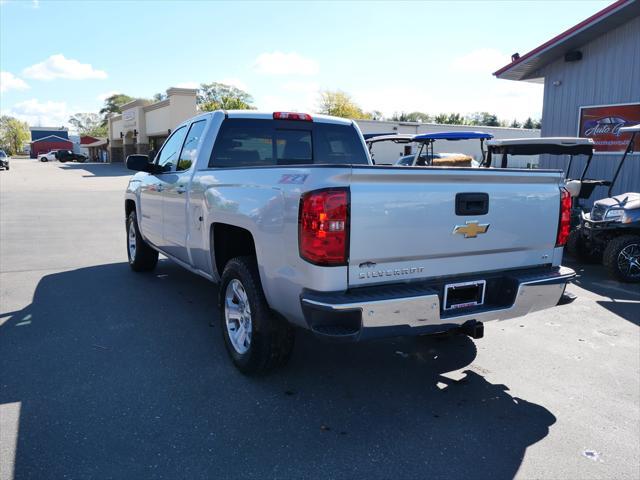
587	186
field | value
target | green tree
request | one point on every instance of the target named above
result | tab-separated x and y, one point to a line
484	118
13	134
340	104
515	124
528	124
114	103
450	119
89	124
412	117
218	96
538	124
158	97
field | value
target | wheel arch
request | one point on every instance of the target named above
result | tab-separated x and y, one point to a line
227	241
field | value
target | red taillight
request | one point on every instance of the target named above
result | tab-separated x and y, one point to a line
564	224
304	117
323	224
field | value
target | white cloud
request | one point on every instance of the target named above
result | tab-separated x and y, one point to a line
235	82
508	100
482	60
8	81
35	112
104	95
291	97
58	66
279	63
187	85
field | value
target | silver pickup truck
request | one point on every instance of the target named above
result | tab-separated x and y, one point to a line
288	215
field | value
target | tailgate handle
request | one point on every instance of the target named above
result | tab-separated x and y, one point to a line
472	203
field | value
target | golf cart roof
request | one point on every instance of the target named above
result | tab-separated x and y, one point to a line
397	138
428	137
367	136
633	129
538	146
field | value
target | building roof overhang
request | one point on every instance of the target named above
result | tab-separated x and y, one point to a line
52	138
526	66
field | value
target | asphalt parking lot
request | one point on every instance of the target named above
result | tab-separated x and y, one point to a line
105	373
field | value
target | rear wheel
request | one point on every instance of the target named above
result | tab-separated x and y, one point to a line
142	257
622	258
256	339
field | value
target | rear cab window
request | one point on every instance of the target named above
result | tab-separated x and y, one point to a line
243	142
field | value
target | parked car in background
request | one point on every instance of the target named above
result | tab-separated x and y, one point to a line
287	213
63	156
4	160
48	157
69	156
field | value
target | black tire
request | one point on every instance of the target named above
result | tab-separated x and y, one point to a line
577	248
615	263
142	258
271	339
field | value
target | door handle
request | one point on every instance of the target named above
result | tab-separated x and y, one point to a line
181	189
159	187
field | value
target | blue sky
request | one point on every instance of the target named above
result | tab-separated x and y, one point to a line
59	58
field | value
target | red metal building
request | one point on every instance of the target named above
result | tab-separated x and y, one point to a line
51	142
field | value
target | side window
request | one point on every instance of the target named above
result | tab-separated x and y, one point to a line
243	145
338	145
190	148
168	158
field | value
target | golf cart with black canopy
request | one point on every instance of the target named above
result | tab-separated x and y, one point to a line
581	188
611	230
372	139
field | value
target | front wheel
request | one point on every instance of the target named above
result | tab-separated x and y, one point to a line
622	258
255	338
142	257
578	248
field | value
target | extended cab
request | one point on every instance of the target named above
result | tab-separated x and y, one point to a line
287	213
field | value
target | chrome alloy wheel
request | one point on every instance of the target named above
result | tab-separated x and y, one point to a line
131	237
237	315
629	260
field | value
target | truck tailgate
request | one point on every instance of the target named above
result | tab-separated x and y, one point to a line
404	223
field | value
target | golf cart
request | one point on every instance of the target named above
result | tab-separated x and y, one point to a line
426	156
580	189
611	230
372	139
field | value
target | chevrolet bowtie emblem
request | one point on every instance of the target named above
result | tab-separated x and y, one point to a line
471	229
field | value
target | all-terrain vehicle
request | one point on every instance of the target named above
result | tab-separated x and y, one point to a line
611	230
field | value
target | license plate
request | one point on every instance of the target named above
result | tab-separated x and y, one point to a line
463	295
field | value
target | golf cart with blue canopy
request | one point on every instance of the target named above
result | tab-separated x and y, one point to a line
427	141
426	155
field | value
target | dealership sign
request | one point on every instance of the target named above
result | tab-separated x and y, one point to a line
602	123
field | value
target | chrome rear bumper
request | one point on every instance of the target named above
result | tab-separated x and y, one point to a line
415	309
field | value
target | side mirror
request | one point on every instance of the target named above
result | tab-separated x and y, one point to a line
139	163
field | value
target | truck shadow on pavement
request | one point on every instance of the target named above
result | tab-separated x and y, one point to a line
99	169
120	375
